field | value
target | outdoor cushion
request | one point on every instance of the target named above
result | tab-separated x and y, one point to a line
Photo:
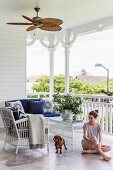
51	114
36	107
48	105
46	109
10	103
15	113
25	103
18	106
21	114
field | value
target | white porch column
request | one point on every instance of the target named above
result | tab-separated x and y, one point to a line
67	53
50	43
68	38
51	54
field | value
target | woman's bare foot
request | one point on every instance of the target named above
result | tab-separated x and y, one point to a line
86	151
83	152
107	158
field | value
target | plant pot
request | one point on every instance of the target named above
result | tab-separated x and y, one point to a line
67	115
76	118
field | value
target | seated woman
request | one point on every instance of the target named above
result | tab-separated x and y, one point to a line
92	137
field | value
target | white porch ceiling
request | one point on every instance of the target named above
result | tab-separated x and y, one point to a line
73	12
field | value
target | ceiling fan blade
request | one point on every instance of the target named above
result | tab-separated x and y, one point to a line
31	28
37	24
57	28
29	19
19	23
52	21
48	25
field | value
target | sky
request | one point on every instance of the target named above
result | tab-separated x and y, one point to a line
85	52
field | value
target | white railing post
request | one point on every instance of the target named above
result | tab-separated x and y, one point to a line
102	110
99	110
111	119
106	118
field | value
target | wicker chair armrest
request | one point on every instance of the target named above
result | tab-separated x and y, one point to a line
22	124
23	128
21	120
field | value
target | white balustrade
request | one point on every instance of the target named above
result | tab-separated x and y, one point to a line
104	105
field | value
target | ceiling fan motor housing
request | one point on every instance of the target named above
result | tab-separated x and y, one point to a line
36	18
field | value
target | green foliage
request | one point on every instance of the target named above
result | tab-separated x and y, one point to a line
67	102
75	85
42	84
36	96
59	84
32	96
103	85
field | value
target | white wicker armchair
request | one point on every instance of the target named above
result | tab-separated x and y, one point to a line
17	132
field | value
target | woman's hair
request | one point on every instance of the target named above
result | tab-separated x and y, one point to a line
94	113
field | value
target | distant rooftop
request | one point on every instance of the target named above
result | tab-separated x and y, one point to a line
32	78
90	79
85	78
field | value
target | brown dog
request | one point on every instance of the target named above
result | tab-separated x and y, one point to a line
59	142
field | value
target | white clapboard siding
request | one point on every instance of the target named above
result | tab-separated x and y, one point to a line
12	63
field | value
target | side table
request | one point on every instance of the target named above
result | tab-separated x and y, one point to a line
68	129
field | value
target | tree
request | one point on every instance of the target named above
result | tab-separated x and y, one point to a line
42	84
59	84
83	72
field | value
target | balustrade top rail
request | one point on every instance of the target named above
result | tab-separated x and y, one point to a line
84	96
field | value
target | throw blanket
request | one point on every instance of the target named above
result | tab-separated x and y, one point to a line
36	130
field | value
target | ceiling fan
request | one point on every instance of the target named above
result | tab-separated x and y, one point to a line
47	24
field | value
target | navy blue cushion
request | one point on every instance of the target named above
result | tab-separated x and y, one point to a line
25	105
49	114
36	107
35	100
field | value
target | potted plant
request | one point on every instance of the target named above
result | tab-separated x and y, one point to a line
67	104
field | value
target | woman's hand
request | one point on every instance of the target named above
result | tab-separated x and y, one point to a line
93	140
98	145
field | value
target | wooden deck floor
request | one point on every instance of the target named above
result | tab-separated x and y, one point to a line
39	160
